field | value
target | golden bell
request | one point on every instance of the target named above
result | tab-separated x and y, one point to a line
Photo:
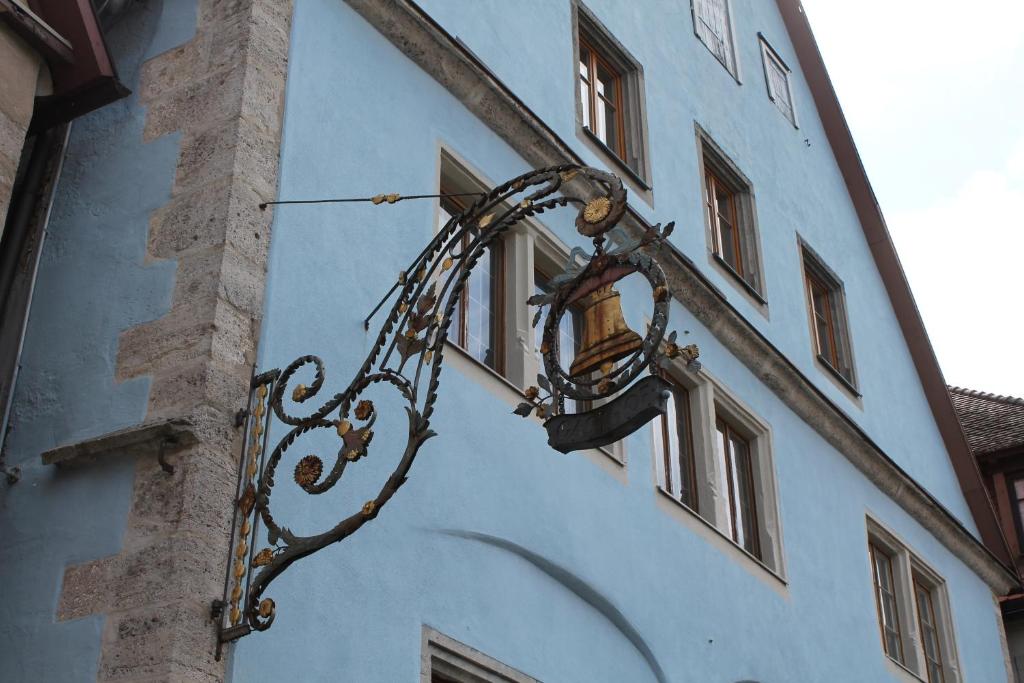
606	337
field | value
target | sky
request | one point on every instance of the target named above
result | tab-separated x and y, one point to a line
933	91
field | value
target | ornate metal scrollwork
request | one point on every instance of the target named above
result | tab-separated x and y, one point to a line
408	353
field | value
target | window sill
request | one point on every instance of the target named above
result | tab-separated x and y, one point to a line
620	164
838	377
724	542
747	289
901	671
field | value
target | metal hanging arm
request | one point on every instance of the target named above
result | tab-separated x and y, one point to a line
378	199
413	334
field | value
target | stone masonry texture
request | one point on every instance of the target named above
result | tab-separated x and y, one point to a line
223	92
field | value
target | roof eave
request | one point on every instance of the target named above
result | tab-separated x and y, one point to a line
887	261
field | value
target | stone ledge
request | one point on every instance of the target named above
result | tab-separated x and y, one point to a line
144	438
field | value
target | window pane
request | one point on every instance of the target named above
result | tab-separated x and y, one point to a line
724	201
746	504
480	310
685	460
887	612
605	84
727	241
722	463
611	134
448	209
713	28
585	100
601	123
662	456
1018	488
568	335
929	632
672	461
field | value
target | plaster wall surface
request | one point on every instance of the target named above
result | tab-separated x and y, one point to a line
496	539
93	283
798	186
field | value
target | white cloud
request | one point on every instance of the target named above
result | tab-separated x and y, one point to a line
964	257
886	51
931	90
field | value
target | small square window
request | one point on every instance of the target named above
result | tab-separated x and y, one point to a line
776	75
826	308
609	97
712	22
730	218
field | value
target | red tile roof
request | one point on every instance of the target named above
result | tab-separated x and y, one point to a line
991	422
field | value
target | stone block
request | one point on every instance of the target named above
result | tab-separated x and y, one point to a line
248	227
233	340
215	99
160	641
207	156
191	220
86	588
171	70
179	389
183	335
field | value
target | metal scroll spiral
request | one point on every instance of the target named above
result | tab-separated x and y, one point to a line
408	354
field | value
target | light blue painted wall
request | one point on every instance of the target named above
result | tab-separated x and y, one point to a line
799	188
93	283
363	119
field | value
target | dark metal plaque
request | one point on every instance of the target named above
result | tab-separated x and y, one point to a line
638	405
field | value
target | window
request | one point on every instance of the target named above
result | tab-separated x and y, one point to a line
929	629
712	23
601	95
722	214
609	97
912	608
827	311
776	75
733	453
446	660
730	219
478	321
714	456
673	448
568	333
885	599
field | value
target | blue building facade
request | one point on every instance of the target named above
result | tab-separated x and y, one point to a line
804	515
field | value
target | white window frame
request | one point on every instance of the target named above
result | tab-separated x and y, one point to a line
770	56
446	656
710	398
731	60
905	565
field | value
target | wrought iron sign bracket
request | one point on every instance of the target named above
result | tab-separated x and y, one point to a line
616	369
